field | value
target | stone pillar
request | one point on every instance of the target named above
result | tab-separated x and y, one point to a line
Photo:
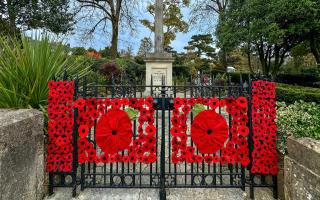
302	169
158	64
22	168
158	33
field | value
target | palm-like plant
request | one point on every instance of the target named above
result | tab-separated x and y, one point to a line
27	65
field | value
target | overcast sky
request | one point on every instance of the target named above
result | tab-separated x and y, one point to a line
99	40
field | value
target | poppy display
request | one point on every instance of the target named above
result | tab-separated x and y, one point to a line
203	128
60	125
209	131
114	131
264	155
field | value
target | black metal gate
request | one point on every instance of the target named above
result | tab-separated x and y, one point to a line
163	173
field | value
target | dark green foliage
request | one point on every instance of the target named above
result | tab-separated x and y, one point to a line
303	79
79	51
51	15
270	29
139	60
201	45
290	93
106	52
134	71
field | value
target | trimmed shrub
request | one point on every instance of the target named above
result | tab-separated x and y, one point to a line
307	79
291	93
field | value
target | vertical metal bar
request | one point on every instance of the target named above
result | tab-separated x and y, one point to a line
75	142
94	134
230	166
250	141
243	174
82	176
111	164
135	134
163	144
151	90
51	183
275	187
220	164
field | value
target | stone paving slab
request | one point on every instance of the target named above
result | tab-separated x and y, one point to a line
153	194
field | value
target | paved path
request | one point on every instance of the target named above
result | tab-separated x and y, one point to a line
153	194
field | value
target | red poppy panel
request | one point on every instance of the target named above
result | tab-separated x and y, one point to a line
60	126
209	131
264	155
114	130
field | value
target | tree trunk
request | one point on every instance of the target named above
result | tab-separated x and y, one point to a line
12	17
224	59
249	59
314	49
114	41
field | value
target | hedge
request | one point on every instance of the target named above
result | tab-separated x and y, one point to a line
292	93
307	80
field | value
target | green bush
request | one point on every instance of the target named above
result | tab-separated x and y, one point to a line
291	94
27	65
301	119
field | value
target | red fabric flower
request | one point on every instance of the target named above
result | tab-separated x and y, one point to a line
243	131
209	131
151	130
83	131
114	131
213	103
242	102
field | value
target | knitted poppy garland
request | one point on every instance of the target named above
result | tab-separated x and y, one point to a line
209	131
60	126
264	155
114	130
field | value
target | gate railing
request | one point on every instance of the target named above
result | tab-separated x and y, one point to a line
163	172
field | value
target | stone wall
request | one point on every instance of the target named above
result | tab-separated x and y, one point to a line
302	169
21	155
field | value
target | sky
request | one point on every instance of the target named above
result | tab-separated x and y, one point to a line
99	39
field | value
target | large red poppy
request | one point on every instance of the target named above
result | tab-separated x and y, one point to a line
209	131
114	131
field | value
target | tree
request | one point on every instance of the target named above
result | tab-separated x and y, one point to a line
79	51
200	53
269	29
201	45
106	52
172	19
203	14
102	12
21	15
145	46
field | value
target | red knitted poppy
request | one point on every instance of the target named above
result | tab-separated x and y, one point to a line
209	131
114	131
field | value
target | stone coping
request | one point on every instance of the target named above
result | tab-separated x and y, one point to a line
15	123
305	151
